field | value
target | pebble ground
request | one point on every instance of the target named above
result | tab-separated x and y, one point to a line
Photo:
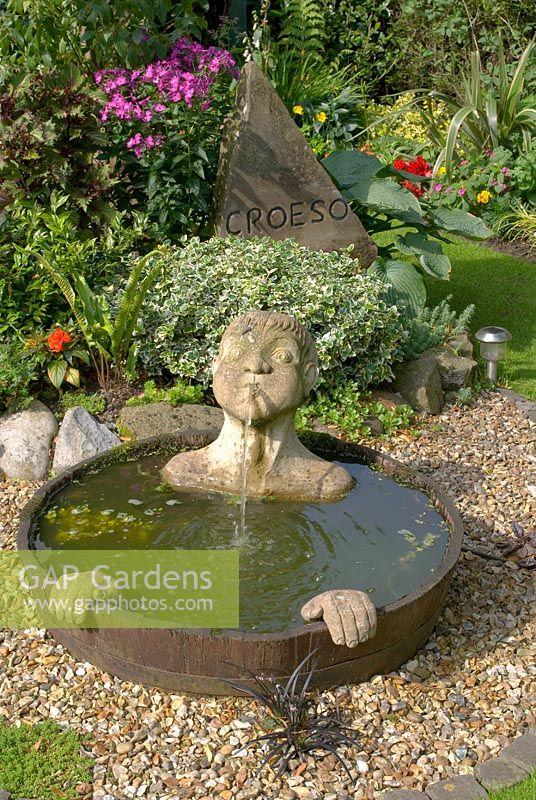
455	704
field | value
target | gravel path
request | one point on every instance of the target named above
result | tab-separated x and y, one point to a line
457	703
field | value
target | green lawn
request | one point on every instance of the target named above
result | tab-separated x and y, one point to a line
503	290
523	791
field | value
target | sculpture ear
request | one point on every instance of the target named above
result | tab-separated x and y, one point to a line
310	374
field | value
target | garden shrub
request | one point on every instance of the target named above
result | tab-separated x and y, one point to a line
29	299
204	286
17	371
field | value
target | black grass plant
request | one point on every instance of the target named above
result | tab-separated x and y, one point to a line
297	727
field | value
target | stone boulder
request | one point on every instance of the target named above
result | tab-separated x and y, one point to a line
270	183
455	371
419	383
461	344
155	419
81	437
25	440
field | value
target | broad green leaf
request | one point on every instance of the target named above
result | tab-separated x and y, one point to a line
406	287
348	167
388	197
460	222
430	253
56	373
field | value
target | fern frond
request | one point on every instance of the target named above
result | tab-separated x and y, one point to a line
304	26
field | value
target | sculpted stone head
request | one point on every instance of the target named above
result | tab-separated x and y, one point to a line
268	359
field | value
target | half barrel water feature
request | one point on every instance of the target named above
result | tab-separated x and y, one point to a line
384	536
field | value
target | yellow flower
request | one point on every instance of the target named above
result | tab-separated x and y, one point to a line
441	171
297	109
321	116
483	197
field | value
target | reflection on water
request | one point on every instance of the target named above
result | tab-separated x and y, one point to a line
382	537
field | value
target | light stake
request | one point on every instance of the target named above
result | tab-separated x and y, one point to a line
493	342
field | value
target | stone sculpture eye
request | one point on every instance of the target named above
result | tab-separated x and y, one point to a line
283	356
235	352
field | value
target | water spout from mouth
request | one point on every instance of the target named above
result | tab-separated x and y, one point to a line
241	532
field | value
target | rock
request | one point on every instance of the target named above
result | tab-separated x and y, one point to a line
462	787
390	400
124	747
419	383
454	371
499	773
25	439
81	437
404	794
4	795
522	752
270	183
154	419
461	344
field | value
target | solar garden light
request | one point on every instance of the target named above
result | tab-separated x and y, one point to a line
492	347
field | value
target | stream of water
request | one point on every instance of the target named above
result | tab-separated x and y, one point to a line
241	531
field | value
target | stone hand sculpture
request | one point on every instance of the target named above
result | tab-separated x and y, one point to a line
349	614
266	367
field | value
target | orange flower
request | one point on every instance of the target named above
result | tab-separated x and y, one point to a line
57	339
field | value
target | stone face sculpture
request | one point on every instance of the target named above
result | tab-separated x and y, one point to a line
266	367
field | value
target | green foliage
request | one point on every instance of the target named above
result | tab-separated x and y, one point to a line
382	204
304	26
292	59
362	36
180	392
17	371
344	406
434	40
42	761
108	335
433	326
95	34
93	403
524	174
477	183
331	124
204	286
50	140
28	296
491	111
517	222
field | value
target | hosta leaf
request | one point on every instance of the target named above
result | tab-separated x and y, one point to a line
460	222
405	284
348	167
388	197
430	254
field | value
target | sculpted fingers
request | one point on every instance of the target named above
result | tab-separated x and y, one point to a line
334	619
312	609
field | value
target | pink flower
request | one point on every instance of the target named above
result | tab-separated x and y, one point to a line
461	191
463	162
437	187
505	171
488	153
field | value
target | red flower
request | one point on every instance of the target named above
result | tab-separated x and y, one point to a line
399	164
414	188
419	167
57	339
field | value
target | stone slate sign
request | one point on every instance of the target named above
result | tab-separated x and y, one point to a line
270	182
